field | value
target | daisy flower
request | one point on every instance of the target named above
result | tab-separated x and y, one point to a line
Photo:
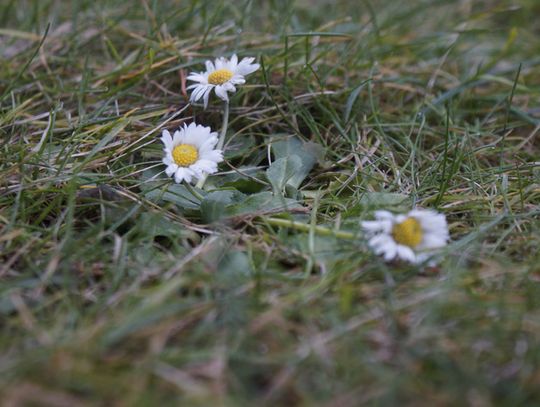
412	237
190	152
222	76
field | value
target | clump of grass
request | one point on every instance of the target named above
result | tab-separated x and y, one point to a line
114	293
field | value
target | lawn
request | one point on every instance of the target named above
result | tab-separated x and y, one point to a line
120	287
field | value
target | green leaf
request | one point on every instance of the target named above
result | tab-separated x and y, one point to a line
247	186
263	202
220	205
234	270
383	199
158	187
214	205
309	154
234	266
177	194
154	224
281	171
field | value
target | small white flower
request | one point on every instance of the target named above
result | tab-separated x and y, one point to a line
222	76
190	152
412	237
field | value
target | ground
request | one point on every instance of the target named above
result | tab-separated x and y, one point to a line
120	288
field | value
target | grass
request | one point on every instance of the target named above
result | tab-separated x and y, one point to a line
118	288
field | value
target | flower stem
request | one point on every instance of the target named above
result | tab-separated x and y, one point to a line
221	140
304	227
193	191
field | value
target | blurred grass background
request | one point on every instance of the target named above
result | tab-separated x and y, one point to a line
108	297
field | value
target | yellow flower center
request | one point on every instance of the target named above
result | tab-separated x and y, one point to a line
408	232
220	76
185	154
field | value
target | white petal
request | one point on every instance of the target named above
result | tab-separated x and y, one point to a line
178	137
424	257
371	226
171	169
209	143
192	137
234	61
209	66
179	175
204	166
390	251
431	242
400	218
379	241
375	226
245	67
221	93
199	92
220	63
229	87
206	96
405	253
192	97
429	219
380	215
197	135
183	174
419	213
168	160
213	155
237	80
167	139
197	77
